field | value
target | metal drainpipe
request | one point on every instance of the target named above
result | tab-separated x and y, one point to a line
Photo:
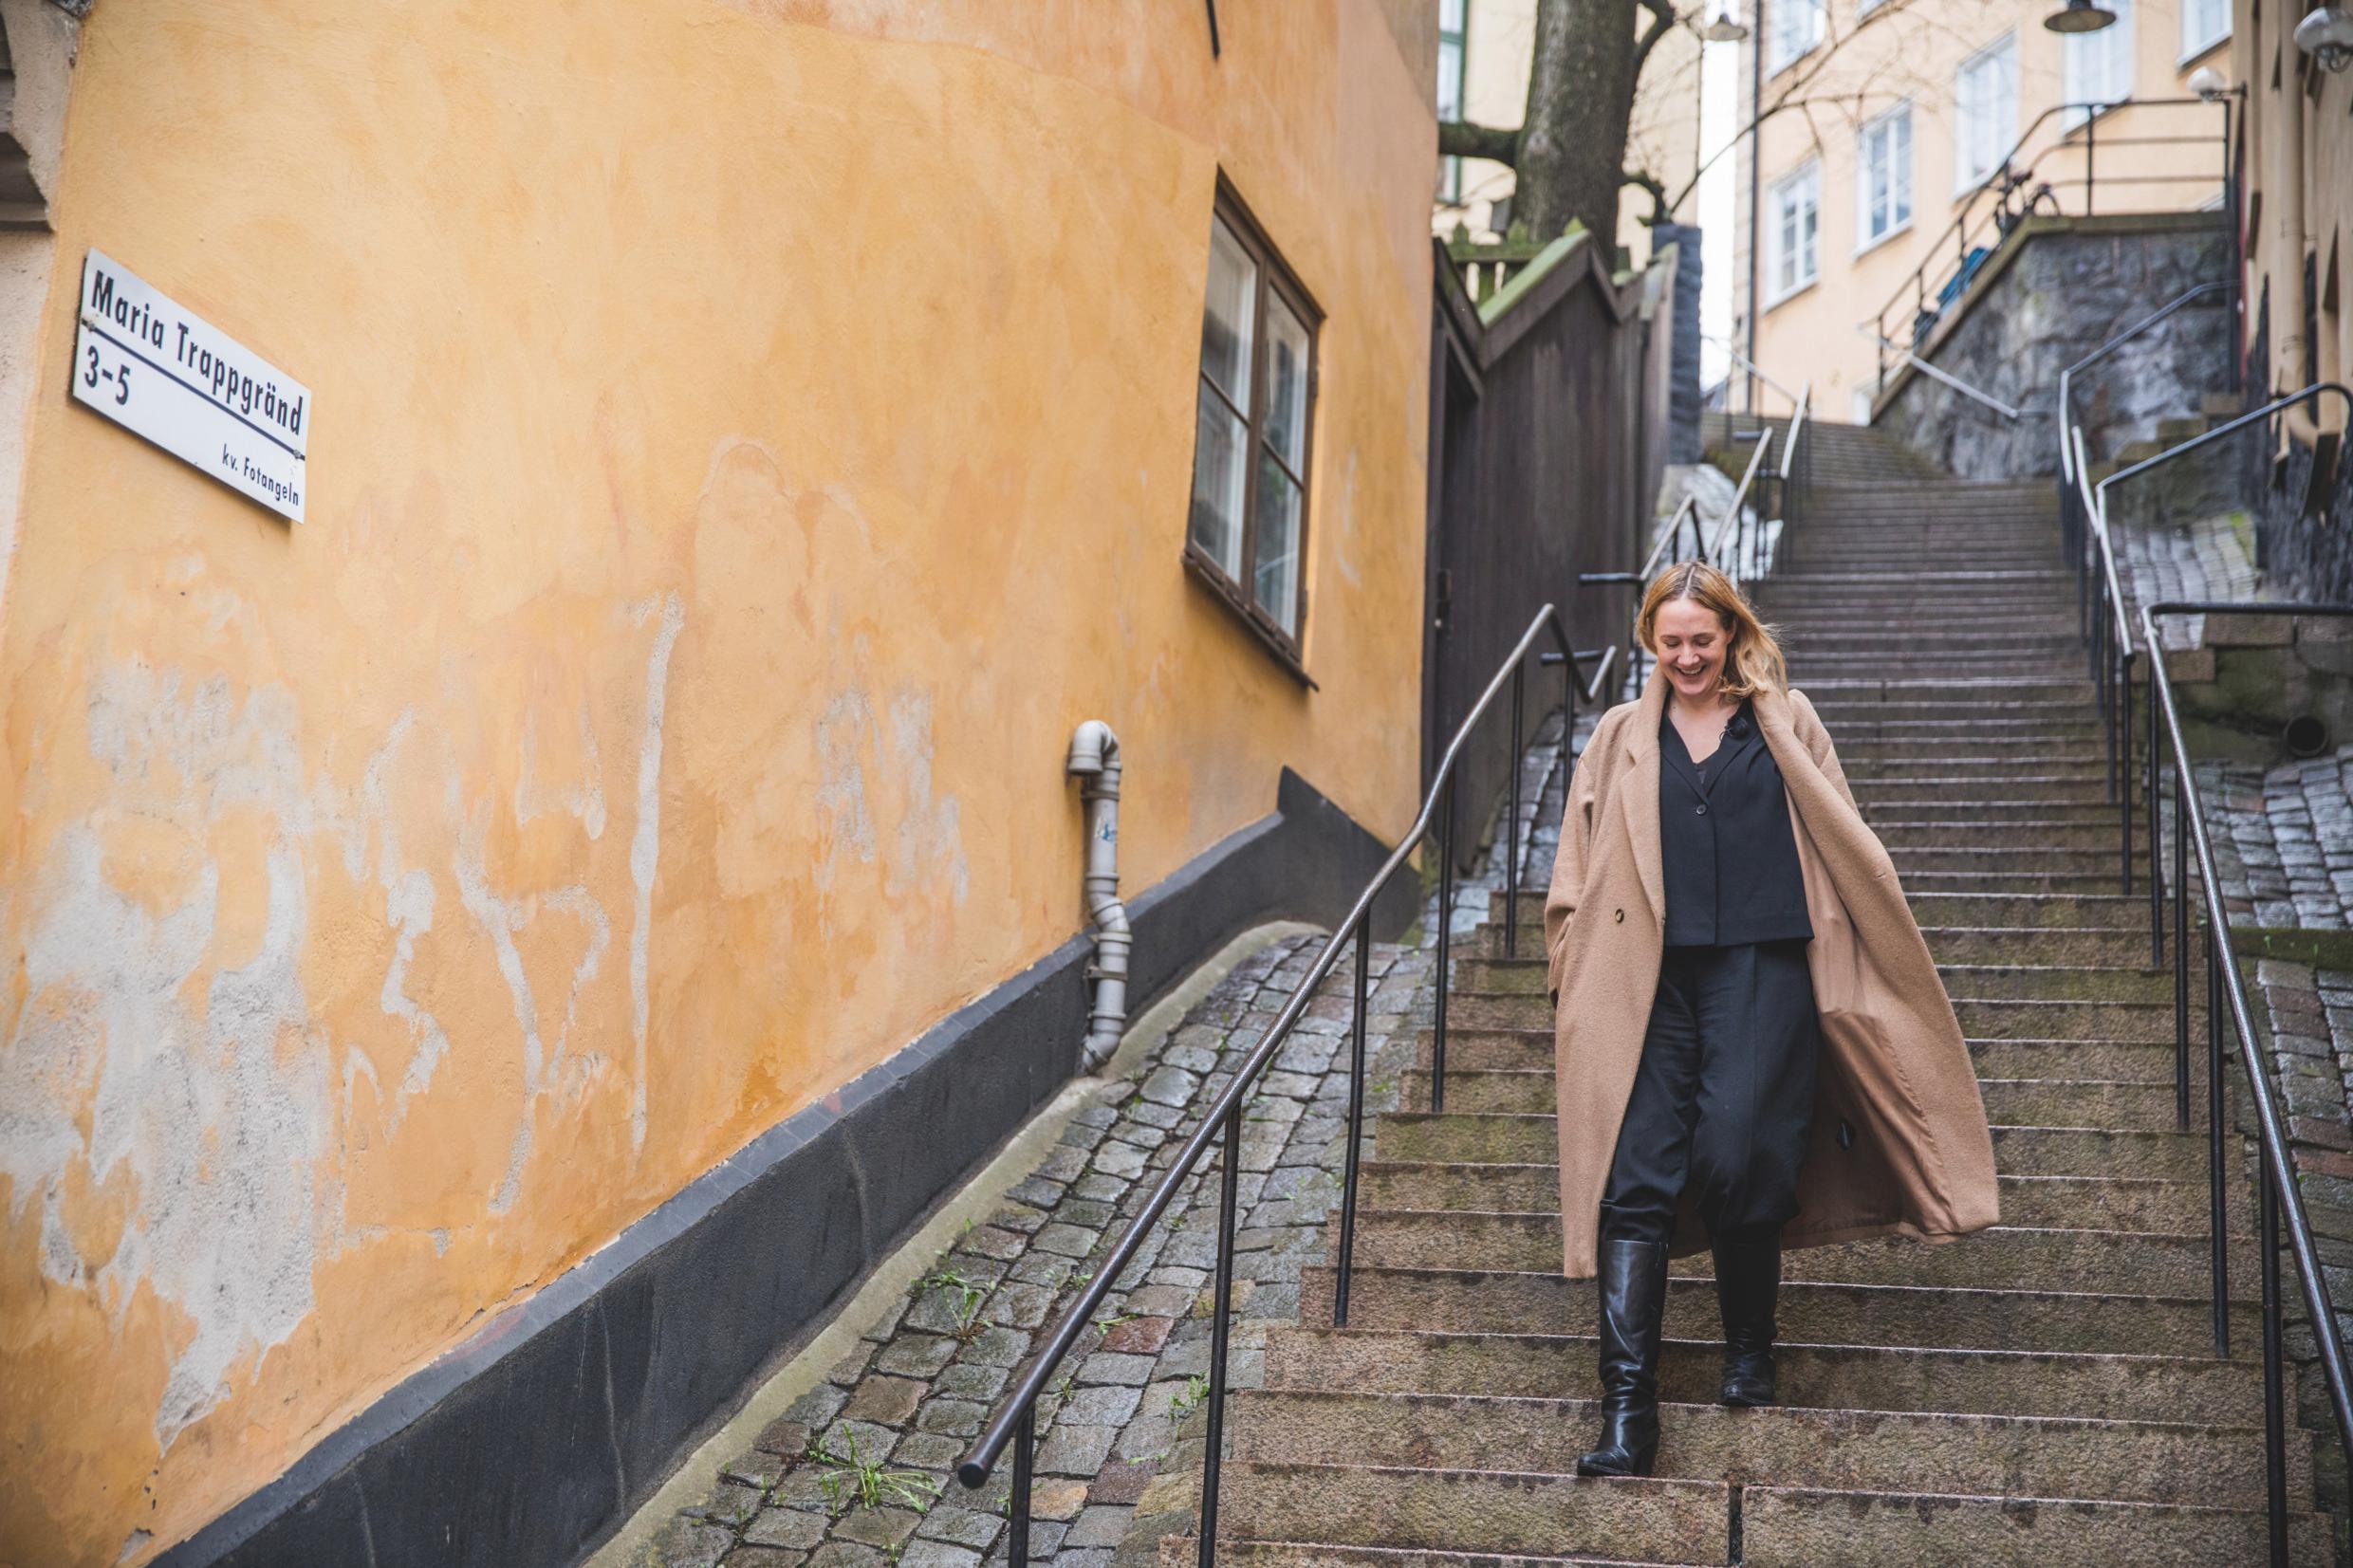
1095	758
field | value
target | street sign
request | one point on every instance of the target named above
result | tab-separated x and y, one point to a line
171	377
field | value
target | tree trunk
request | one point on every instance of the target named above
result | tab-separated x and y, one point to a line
1580	96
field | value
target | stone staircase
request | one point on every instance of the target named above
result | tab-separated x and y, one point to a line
1838	453
2042	1393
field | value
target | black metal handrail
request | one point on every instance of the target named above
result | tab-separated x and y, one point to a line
2225	987
1013	1422
1953	261
2109	635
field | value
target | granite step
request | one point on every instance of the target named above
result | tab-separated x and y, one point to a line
2193	1389
1510	1138
2015	1102
2127	1061
1869	1451
1802	1529
1813	1311
2000	1257
2081	1203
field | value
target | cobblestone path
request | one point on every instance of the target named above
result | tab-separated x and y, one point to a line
857	1473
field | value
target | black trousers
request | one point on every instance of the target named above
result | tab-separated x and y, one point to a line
1723	1100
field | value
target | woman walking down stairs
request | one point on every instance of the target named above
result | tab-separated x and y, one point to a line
2043	1392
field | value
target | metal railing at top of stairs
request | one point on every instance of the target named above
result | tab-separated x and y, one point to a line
2225	991
2108	634
1935	373
1991	210
1013	1423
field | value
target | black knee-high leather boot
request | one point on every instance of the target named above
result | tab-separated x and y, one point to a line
1747	1283
1631	1277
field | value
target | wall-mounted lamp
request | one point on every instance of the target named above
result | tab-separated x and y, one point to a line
2080	17
1725	28
2207	83
2327	35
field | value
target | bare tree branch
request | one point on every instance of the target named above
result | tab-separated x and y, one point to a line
1658	208
1661	22
1460	138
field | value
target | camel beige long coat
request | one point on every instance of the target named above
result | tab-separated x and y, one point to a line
1899	1144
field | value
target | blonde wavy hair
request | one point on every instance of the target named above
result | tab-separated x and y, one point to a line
1754	662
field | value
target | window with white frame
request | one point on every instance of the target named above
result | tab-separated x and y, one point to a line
1985	111
1793	207
2204	24
1883	177
1795	27
2097	67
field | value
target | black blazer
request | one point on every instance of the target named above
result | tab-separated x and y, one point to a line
1727	858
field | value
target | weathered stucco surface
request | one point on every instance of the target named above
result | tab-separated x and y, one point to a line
748	439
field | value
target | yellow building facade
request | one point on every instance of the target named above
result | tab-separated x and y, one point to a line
1884	122
744	438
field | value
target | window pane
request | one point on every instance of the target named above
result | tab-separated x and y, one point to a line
1450	80
1226	320
1276	573
1903	156
1450	16
1287	384
1220	442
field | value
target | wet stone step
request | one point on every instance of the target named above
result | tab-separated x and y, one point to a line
1784	1528
1875	1450
2111	910
1981	1018
2125	944
1952	1318
2074	1203
2127	1061
1504	1139
2139	1263
2120	983
2198	1389
1639	1519
2014	1102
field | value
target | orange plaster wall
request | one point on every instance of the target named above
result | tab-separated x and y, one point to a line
746	440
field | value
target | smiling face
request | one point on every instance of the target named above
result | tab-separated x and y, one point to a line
1690	642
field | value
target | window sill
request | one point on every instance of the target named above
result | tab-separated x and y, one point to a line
1774	68
1220	588
2191	57
1775	301
1868	246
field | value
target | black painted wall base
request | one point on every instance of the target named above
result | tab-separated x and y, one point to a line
539	1435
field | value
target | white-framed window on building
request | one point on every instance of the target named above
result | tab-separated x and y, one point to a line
2097	67
2204	24
1452	17
1793	28
1246	532
1883	177
1985	111
1793	215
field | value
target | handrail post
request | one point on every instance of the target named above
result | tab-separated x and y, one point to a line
1221	1313
2156	833
1356	1126
2181	942
2218	954
2274	1403
1445	945
1511	827
2125	767
2091	142
1025	1444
